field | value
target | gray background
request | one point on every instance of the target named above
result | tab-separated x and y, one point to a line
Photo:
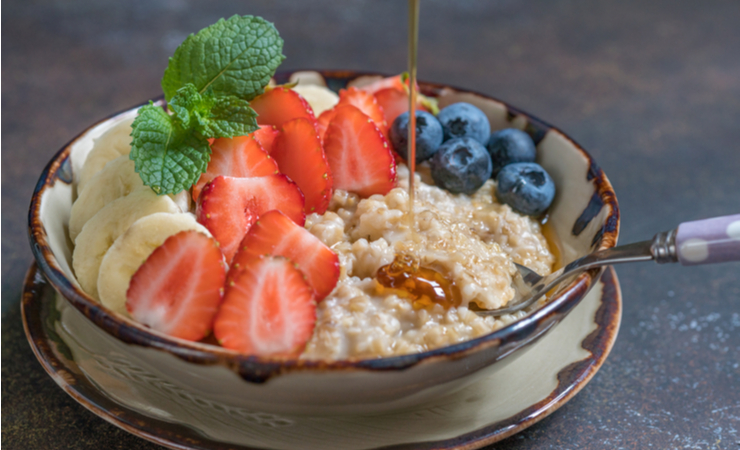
651	89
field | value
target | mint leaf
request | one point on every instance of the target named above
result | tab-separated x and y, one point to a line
232	116
213	117
231	57
190	109
167	157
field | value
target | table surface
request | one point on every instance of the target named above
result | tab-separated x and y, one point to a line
651	89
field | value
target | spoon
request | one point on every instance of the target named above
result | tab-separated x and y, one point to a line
704	241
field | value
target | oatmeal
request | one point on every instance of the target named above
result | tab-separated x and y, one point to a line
472	240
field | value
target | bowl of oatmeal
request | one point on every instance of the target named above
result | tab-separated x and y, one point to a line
372	348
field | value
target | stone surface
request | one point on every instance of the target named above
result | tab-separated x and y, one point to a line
651	89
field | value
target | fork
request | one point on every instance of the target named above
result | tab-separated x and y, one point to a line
704	241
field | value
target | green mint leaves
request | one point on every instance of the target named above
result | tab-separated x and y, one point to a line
212	116
168	158
231	57
207	84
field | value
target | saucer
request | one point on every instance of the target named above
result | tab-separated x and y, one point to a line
493	408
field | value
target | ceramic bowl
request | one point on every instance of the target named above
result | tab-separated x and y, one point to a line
584	216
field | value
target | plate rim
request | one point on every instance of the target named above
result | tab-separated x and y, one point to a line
571	379
259	369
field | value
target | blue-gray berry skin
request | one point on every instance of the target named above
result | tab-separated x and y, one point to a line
428	135
461	166
510	146
464	120
526	187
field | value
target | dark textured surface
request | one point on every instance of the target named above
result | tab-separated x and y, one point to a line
651	89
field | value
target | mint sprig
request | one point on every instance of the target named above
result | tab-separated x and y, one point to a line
212	116
167	157
231	57
208	84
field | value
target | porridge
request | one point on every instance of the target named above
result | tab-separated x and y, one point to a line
473	240
278	231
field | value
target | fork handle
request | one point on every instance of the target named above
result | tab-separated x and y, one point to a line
709	241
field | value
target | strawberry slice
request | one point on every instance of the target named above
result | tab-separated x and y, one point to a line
359	156
275	234
178	289
323	122
268	310
266	136
299	155
395	102
229	206
279	105
240	156
384	83
367	103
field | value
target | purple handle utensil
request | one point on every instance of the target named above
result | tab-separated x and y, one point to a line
701	242
709	241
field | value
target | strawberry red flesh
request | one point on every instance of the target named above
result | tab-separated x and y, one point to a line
266	136
300	156
275	234
384	83
394	103
240	156
279	105
178	289
367	103
268	310
229	206
359	156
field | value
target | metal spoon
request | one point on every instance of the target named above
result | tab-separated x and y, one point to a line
699	242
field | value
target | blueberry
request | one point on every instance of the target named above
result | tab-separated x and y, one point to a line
526	187
510	146
461	165
428	135
464	120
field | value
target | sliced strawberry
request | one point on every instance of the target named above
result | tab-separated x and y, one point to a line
359	156
268	310
178	289
275	234
266	136
384	83
324	120
229	206
366	103
299	155
240	156
395	102
279	105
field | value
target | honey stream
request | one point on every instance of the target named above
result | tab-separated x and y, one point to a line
424	286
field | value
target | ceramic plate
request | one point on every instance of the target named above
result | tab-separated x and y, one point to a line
502	404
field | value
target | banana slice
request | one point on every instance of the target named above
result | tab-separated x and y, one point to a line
112	144
103	229
130	251
117	179
319	97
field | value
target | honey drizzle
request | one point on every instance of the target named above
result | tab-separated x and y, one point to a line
413	44
423	286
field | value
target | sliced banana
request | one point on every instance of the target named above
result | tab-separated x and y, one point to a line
319	97
116	180
99	233
130	251
112	144
182	200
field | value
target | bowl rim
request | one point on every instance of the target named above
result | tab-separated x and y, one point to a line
260	369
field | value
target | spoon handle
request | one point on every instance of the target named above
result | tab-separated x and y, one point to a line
709	241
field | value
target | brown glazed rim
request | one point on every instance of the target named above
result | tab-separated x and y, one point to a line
571	379
260	369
